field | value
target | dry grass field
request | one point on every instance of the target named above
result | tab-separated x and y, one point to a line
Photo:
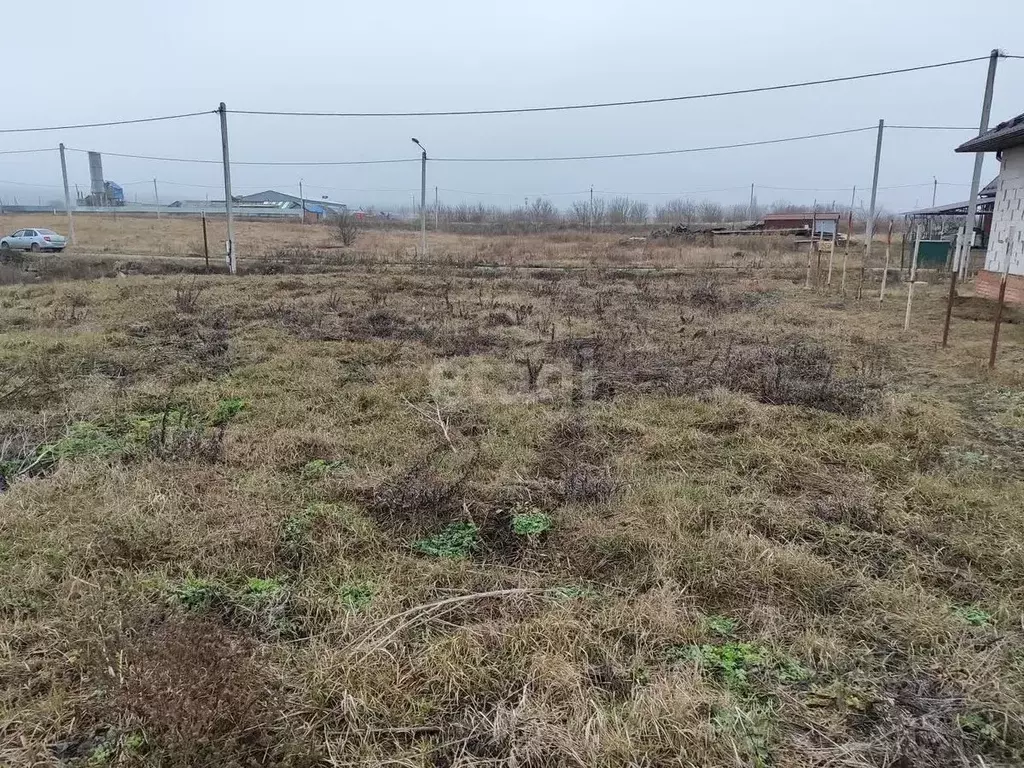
356	513
260	241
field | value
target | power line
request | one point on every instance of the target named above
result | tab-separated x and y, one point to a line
26	151
598	105
557	158
108	123
934	127
649	154
242	162
28	184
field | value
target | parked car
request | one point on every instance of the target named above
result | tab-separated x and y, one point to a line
34	240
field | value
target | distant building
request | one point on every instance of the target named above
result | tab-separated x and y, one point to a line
1006	243
316	208
826	223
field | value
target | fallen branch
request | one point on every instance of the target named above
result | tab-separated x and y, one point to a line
419	613
437	419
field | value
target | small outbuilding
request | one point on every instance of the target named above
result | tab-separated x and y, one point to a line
1006	242
825	223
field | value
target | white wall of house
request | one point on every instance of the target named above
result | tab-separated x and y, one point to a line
1008	215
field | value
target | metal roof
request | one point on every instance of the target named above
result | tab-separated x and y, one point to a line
820	216
1003	136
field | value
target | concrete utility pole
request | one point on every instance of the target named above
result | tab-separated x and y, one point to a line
972	205
437	212
979	158
752	203
302	203
874	195
156	196
67	195
592	209
232	257
423	197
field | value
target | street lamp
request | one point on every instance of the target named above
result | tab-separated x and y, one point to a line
423	197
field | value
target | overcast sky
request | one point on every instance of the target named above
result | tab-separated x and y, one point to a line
83	62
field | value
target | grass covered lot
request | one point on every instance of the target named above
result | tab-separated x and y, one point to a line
443	516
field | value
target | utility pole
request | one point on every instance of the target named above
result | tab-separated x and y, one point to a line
972	206
874	194
592	209
302	203
752	204
232	257
437	212
979	158
67	195
423	197
935	188
156	196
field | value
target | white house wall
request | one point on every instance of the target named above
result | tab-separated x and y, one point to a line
1008	214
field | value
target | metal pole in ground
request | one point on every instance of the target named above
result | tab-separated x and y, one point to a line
156	196
888	253
232	257
979	157
832	255
591	209
869	235
423	197
67	195
1002	299
913	280
810	246
206	244
849	237
952	287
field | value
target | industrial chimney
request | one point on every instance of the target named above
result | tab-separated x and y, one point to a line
96	178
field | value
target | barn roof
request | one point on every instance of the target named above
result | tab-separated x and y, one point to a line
1003	136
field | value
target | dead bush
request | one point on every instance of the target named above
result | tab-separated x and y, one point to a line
201	696
346	227
795	373
417	500
186	295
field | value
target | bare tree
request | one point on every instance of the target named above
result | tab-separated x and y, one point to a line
618	210
544	212
638	212
675	211
738	212
709	212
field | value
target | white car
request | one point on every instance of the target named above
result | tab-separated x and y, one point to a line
34	240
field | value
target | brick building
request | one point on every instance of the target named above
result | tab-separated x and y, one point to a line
1007	237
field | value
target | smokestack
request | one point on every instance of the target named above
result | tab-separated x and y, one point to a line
96	176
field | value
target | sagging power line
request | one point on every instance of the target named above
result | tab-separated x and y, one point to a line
604	104
517	110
